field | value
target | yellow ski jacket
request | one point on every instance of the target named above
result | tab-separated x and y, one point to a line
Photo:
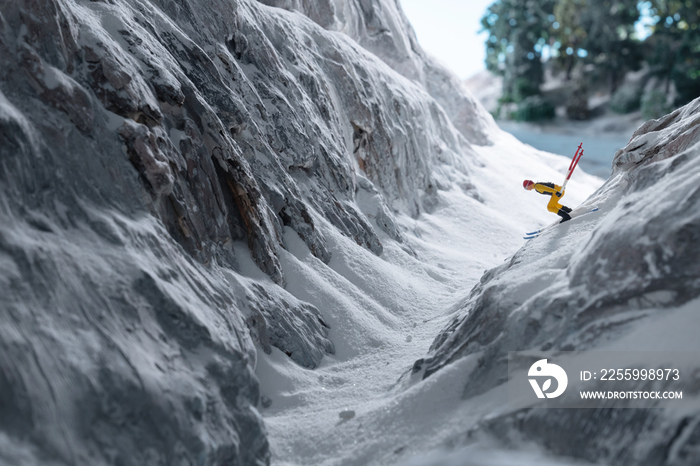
547	188
551	189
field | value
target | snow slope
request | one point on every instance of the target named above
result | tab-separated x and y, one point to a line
203	201
391	310
624	278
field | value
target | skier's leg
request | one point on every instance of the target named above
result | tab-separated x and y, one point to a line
553	205
564	215
566	209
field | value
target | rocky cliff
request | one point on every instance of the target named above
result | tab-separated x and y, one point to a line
381	27
152	155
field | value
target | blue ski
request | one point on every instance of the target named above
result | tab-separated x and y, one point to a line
536	233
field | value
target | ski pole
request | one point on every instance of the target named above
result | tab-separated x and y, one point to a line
574	158
572	166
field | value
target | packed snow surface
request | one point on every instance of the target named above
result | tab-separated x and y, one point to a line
387	315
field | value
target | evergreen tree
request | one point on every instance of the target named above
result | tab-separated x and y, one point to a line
567	34
517	30
610	42
676	46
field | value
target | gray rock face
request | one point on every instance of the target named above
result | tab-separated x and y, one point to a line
575	289
381	27
276	321
139	143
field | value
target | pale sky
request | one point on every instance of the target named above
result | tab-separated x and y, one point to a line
448	30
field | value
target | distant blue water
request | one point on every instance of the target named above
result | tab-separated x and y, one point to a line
598	150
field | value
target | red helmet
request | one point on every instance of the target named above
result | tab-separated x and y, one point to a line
527	183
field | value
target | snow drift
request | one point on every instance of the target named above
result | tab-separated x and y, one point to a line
624	278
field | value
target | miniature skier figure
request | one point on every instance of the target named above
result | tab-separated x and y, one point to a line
556	192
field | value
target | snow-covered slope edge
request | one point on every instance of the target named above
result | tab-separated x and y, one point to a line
154	158
624	278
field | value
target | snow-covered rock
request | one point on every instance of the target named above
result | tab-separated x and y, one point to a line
624	278
155	158
381	27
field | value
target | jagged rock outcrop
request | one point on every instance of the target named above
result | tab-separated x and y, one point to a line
381	27
140	143
585	284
